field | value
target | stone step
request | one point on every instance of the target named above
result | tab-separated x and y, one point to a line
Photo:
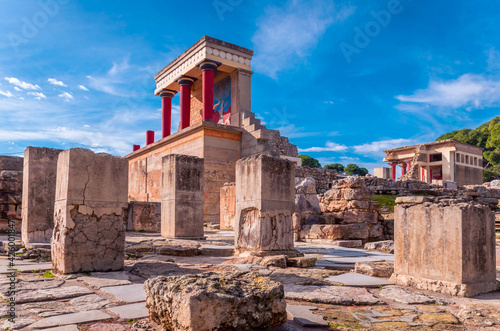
261	134
251	121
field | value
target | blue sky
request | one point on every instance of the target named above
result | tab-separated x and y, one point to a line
342	79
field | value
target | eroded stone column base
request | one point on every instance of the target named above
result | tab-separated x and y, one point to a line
445	287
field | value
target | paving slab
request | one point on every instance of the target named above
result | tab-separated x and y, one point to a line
334	266
26	267
358	280
133	311
335	295
127	293
303	316
351	259
103	279
216	250
71	327
406	296
75	318
51	294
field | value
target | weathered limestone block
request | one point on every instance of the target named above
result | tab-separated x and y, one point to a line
39	191
182	197
445	246
265	194
374	269
90	212
227	206
215	301
144	216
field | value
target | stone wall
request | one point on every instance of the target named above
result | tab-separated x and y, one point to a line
323	177
39	190
11	184
445	244
227	206
144	216
347	213
90	212
264	204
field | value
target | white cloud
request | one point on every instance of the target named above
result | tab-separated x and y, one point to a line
67	96
293	31
376	147
468	91
38	95
81	87
329	147
54	81
26	86
7	94
17	88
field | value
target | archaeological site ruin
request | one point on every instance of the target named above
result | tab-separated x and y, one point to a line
218	226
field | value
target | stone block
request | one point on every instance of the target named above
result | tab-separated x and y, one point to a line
265	194
447	246
227	206
144	216
39	190
90	212
215	301
182	197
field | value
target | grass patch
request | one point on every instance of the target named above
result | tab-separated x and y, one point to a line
386	201
48	274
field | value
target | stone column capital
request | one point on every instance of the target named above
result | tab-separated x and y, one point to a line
207	64
185	80
166	93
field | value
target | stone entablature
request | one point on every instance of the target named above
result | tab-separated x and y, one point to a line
229	55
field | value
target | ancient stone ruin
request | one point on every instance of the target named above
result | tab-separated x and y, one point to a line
90	212
219	227
347	215
445	245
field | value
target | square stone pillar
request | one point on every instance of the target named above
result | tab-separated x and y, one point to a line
265	202
227	206
90	212
444	245
39	190
182	197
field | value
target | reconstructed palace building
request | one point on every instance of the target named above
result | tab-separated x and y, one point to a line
448	160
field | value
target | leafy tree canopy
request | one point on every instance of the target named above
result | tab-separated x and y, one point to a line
353	169
310	161
335	166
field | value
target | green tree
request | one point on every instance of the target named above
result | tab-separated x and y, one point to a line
335	166
310	161
363	172
354	169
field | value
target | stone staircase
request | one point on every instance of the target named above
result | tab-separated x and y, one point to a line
257	139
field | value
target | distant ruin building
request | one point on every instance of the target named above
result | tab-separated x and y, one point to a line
213	78
445	160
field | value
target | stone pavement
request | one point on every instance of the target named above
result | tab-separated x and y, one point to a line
328	296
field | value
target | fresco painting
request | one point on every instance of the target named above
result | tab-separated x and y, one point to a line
222	102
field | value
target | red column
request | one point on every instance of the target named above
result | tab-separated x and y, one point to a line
185	83
403	169
393	170
150	137
166	111
408	166
423	174
208	69
136	148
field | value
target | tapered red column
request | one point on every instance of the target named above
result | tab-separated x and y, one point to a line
166	111
150	137
208	69
136	148
403	169
185	83
393	170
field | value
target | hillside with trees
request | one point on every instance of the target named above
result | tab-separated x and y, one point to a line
487	135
